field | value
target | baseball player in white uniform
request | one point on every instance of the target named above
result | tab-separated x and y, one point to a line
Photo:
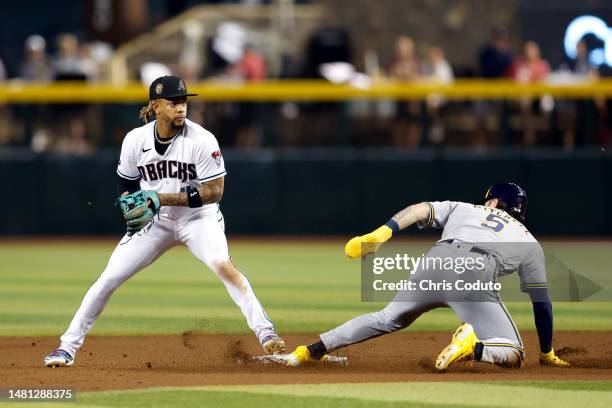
493	234
171	178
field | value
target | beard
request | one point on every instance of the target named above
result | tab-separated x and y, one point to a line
175	127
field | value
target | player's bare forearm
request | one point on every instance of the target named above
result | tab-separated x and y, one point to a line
210	192
411	214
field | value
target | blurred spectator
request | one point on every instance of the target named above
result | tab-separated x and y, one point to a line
327	44
496	57
69	63
191	62
233	58
190	58
438	70
229	44
582	65
75	141
405	68
531	67
252	66
577	119
70	130
6	136
95	57
36	67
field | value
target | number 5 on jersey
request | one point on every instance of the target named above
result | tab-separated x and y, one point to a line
494	222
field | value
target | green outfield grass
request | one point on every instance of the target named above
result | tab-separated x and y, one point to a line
304	287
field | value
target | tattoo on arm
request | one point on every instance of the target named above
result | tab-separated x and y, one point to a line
411	214
174	200
210	192
397	217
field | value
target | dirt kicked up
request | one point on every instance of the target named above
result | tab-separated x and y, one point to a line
191	359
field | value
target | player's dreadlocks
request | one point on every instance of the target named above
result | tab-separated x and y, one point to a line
147	112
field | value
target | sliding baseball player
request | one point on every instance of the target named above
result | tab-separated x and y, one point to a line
492	233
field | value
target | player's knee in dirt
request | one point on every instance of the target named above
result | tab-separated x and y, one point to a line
503	356
512	359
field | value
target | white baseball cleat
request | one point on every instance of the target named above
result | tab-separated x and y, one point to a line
59	358
272	343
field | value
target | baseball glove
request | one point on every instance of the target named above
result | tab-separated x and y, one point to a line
138	209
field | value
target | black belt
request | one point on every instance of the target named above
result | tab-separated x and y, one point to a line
473	249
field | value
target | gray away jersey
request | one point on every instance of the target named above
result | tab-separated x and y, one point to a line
495	231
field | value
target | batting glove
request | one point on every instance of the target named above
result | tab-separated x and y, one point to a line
367	244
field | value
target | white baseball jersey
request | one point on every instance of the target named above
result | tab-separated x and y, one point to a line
494	231
192	158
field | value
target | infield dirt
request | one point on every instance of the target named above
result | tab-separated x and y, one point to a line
191	359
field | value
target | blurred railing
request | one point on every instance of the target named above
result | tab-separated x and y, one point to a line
304	90
79	118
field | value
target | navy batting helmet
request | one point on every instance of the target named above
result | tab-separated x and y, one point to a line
513	199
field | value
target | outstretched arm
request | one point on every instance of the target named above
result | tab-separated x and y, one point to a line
543	316
355	248
410	215
210	192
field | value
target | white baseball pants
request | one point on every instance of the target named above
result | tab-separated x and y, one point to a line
204	236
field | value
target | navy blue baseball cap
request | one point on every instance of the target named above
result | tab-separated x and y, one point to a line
168	87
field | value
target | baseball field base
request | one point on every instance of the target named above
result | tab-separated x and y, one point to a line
282	359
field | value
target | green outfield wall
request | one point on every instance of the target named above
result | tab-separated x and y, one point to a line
318	191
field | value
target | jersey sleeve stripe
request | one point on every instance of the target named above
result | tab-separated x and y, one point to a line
128	177
432	215
223	173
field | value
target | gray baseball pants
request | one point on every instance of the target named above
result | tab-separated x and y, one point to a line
488	315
